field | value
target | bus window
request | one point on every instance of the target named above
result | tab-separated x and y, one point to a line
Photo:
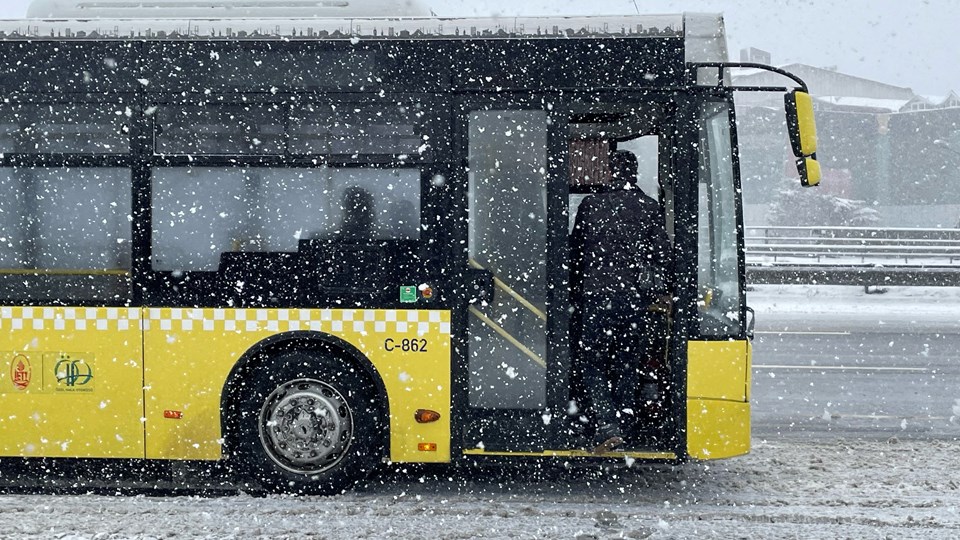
647	150
199	213
219	130
65	128
351	128
66	233
508	236
343	128
719	271
589	168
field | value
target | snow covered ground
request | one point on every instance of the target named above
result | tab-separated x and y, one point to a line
851	308
840	489
796	488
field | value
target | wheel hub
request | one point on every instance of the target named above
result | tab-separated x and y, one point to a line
306	426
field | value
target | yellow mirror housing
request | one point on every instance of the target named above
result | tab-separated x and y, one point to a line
803	135
809	169
800	121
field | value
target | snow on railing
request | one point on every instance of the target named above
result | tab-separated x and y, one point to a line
862	256
852	246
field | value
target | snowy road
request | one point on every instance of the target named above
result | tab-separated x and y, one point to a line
844	384
890	484
805	489
834	362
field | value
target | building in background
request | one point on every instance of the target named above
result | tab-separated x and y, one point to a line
883	144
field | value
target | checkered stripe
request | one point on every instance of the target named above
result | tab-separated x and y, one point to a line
362	321
50	318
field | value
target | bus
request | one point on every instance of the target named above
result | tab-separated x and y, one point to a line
183	276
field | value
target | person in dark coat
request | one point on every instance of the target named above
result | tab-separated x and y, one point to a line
622	273
358	218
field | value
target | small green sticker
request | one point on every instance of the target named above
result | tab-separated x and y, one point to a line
408	294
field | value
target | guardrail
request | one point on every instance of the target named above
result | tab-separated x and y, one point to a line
853	255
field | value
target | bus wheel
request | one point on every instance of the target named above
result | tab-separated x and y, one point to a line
308	426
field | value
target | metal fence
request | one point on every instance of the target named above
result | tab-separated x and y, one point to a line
853	255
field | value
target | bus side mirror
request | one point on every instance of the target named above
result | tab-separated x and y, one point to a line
803	135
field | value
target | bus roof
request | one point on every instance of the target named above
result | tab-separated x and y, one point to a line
633	26
344	28
703	33
222	9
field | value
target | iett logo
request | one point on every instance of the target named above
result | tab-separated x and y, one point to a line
72	372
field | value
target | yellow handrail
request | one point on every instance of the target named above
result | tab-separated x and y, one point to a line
514	294
506	335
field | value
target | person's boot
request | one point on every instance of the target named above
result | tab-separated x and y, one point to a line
608	439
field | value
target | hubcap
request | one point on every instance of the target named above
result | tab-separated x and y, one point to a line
306	426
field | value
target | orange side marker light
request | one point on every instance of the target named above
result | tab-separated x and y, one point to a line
427	447
425	416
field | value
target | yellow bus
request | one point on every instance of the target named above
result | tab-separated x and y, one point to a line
182	277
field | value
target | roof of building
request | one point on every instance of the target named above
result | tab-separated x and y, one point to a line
810	74
888	105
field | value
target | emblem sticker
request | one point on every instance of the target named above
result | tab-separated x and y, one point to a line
21	372
408	294
73	372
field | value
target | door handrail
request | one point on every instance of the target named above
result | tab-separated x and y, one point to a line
513	294
507	336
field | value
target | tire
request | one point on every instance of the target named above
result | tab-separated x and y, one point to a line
307	423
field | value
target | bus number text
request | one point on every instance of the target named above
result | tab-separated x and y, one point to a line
405	345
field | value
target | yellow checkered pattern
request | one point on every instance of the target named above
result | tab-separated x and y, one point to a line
69	318
362	321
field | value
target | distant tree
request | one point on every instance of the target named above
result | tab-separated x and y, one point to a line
807	207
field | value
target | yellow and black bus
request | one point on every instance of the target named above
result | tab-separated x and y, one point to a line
179	279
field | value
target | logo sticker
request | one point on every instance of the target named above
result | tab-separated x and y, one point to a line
21	372
408	294
73	372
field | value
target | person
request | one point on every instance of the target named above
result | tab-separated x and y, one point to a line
358	217
621	274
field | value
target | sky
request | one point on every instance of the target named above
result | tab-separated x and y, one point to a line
905	43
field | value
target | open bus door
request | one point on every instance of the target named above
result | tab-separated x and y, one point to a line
644	368
522	195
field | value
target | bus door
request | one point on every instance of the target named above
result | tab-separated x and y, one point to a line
510	333
719	354
641	365
523	190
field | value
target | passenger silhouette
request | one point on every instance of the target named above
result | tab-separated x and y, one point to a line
622	271
358	216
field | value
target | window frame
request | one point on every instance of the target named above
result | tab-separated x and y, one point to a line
703	164
428	128
127	160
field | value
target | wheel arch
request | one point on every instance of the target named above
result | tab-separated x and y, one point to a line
261	353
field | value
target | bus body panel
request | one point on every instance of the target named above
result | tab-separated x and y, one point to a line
718	370
74	383
718	393
190	353
717	429
71	382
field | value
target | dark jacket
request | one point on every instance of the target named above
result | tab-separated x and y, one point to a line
621	256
